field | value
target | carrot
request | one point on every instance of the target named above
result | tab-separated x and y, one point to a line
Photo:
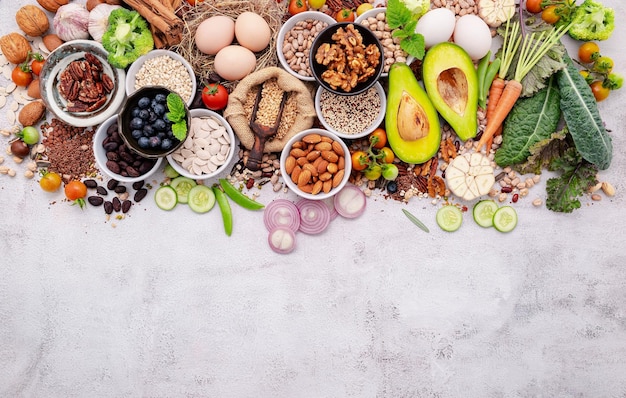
533	49
495	92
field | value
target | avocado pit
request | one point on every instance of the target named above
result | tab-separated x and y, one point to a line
453	88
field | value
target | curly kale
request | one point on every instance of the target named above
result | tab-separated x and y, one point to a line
127	37
592	21
577	177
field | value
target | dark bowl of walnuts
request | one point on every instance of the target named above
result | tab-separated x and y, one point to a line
154	121
346	58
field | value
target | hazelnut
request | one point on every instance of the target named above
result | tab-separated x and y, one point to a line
15	47
52	41
32	20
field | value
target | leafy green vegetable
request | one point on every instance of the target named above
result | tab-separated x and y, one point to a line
582	117
592	21
531	120
578	176
127	37
401	18
177	115
545	151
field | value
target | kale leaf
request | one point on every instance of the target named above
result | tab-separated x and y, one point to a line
578	175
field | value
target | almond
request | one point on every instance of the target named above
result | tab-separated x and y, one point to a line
52	41
32	113
290	163
304	178
608	189
15	47
32	20
33	89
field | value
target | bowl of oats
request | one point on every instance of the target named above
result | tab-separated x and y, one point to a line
346	58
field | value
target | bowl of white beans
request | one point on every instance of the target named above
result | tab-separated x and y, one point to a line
162	68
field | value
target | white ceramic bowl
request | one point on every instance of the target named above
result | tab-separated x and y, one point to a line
375	124
136	66
294	187
49	79
205	113
101	157
287	26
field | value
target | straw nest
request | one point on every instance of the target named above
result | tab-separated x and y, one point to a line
270	10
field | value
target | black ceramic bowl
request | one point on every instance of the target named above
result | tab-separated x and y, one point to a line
126	116
325	36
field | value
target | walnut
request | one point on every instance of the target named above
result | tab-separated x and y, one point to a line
52	5
15	47
32	20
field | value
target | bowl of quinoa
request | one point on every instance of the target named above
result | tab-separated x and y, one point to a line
353	116
162	68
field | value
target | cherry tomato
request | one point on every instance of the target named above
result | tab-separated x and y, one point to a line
297	6
390	172
373	173
345	15
603	64
37	63
587	75
76	192
533	6
21	75
215	96
29	134
588	52
50	182
549	15
599	91
317	4
359	160
378	138
388	155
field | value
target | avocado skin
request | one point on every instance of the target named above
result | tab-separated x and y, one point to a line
402	79
442	64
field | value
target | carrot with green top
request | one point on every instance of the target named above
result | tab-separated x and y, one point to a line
533	48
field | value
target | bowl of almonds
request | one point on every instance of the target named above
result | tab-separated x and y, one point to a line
315	164
208	149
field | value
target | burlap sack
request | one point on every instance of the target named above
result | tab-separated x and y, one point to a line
236	114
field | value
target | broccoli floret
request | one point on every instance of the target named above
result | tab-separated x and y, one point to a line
127	37
592	21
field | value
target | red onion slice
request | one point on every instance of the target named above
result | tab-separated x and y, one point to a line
282	240
281	213
314	216
330	202
350	201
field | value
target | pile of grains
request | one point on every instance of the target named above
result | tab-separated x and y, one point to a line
351	114
69	150
167	72
269	105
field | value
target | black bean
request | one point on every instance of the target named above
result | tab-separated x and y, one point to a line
126	206
137	185
95	200
112	184
117	204
108	207
140	194
120	189
90	183
102	190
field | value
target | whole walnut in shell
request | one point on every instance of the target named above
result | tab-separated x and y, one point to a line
52	5
32	20
15	47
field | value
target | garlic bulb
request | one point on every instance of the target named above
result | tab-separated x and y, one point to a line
71	22
99	20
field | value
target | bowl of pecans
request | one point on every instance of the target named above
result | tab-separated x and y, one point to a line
315	164
346	58
79	86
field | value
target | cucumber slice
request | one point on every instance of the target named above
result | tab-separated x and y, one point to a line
166	197
449	218
170	172
505	219
182	185
483	212
201	198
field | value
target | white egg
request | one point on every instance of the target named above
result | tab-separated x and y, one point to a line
215	33
234	62
473	35
252	31
437	26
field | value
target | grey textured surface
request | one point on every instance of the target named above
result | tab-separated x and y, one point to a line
164	305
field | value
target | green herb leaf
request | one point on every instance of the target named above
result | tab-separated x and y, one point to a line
176	107
179	129
414	45
415	221
578	175
397	14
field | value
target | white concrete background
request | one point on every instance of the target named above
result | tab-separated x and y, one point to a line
165	305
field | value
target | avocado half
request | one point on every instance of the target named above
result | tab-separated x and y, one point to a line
411	120
452	84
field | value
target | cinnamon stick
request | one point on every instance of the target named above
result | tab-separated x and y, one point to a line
162	19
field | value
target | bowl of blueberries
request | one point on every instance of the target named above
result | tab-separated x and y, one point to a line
145	122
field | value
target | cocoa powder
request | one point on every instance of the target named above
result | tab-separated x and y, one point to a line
69	150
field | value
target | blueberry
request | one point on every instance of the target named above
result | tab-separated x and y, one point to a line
143	142
392	187
148	130
160	98
159	109
159	124
136	123
161	135
155	142
136	134
153	117
143	103
135	112
144	114
166	119
166	144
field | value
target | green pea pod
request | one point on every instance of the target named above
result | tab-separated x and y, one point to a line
238	197
492	71
227	214
481	72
